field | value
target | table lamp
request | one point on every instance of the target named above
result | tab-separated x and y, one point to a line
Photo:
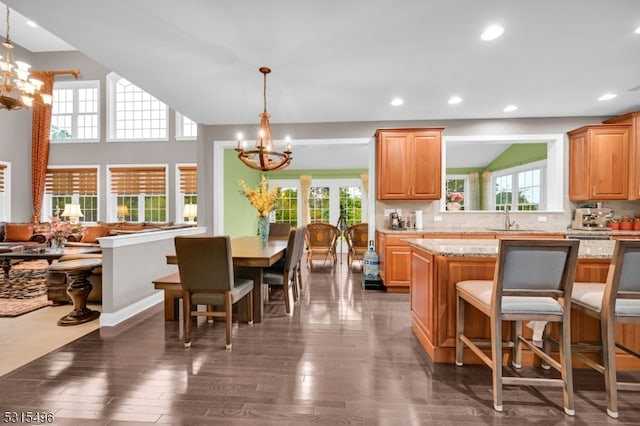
122	211
73	212
190	212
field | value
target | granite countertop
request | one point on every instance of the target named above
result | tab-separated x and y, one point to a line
589	249
567	232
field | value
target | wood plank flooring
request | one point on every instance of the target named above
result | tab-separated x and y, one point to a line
346	357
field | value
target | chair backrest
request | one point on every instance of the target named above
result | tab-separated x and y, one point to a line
301	233
321	235
279	231
358	235
535	267
289	255
205	262
624	271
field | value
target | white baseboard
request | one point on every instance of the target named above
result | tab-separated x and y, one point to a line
115	318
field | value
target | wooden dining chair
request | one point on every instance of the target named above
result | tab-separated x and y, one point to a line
357	237
205	265
279	231
532	282
615	302
287	278
321	240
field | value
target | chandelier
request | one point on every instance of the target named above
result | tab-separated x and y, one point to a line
264	156
17	88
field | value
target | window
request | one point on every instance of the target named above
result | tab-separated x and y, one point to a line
521	187
141	189
456	186
319	204
133	113
185	128
5	196
75	111
351	204
287	206
78	185
187	178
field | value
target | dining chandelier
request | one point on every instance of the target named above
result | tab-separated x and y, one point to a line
263	156
17	89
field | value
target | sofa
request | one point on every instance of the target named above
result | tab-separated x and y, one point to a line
28	235
91	233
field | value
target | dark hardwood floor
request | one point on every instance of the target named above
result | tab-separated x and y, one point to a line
346	356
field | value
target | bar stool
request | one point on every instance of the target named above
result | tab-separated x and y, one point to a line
532	282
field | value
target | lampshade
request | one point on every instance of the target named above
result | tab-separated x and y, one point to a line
190	212
122	210
73	212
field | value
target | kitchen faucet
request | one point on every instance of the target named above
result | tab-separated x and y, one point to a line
507	222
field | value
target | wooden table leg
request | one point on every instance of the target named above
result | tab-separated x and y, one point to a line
78	290
254	274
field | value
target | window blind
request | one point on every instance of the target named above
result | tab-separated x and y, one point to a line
138	180
72	181
188	179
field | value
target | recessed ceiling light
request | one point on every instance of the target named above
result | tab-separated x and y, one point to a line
397	101
637	30
607	96
32	24
492	33
510	108
455	100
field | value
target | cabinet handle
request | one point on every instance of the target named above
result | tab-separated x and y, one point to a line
593	190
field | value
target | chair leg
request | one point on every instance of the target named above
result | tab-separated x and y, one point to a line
285	290
496	361
227	311
250	307
459	330
566	371
609	363
516	353
546	344
186	313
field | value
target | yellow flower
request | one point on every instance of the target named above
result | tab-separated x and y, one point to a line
261	198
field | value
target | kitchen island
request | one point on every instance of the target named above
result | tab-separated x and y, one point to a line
438	264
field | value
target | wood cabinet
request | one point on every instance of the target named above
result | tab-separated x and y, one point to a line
599	162
633	119
409	164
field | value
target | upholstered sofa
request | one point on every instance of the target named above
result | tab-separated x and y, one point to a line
28	235
91	233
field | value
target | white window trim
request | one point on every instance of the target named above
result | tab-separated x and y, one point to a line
542	165
112	215
5	206
179	124
46	198
112	78
79	85
288	183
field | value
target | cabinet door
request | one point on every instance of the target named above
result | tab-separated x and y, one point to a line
426	166
397	269
609	164
393	173
579	187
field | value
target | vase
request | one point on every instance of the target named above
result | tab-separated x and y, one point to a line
452	206
263	228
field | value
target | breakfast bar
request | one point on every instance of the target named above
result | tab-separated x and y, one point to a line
438	264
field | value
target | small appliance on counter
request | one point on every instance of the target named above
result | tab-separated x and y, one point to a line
591	218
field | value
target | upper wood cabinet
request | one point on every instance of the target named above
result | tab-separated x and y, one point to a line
409	164
633	119
599	162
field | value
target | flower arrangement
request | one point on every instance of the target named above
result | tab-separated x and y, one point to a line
261	198
455	197
59	231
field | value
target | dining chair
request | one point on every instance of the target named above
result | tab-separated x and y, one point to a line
357	237
205	265
279	231
287	278
321	239
532	282
615	302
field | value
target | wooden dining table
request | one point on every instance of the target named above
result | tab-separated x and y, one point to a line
250	257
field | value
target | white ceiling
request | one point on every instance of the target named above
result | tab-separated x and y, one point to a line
337	60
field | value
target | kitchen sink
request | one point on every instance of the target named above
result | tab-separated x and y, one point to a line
513	230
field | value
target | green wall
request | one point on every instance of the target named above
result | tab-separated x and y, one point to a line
239	216
518	154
